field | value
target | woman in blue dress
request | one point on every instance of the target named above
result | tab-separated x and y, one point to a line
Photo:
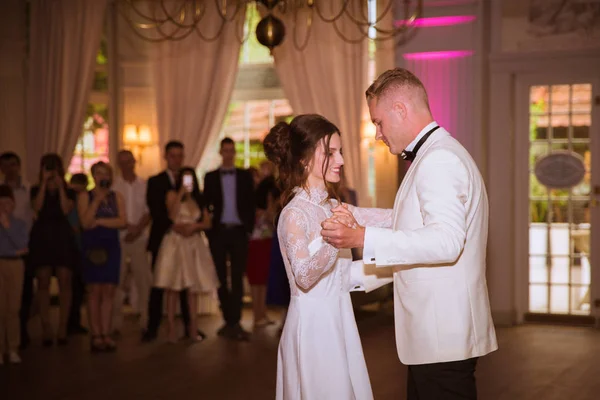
102	215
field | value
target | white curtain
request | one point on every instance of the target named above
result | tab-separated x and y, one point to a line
194	81
328	77
64	40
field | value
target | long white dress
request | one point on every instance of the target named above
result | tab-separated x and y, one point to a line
320	354
185	262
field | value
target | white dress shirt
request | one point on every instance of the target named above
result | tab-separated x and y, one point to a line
134	195
23	207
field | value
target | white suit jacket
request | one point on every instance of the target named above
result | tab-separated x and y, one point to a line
436	250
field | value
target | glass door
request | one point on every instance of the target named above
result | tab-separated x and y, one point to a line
560	268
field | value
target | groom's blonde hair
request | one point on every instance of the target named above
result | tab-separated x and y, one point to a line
396	79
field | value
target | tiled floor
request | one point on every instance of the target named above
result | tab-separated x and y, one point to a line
534	362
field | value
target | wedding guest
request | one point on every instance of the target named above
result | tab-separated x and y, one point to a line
10	166
102	214
13	245
184	261
79	183
52	247
134	255
230	192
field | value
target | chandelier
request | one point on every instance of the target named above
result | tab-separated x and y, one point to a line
162	20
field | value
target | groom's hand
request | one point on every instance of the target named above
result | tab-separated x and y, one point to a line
342	236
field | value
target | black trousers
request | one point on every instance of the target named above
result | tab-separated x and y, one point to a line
442	381
230	243
78	291
155	305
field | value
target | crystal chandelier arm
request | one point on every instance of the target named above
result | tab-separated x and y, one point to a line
213	38
301	47
142	15
336	17
199	13
408	23
173	36
363	36
222	9
162	37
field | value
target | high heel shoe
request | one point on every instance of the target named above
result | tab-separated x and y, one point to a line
109	344
96	344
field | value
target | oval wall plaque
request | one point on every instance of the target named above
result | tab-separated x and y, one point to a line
560	170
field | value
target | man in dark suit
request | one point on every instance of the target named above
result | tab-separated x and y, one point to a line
156	194
230	193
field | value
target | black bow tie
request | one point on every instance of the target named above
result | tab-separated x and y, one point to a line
410	155
228	171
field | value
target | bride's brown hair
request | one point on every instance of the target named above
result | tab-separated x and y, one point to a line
291	147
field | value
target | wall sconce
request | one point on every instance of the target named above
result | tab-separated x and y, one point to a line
137	138
368	132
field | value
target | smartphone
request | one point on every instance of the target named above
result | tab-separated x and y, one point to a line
50	164
188	183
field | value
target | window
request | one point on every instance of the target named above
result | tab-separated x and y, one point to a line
559	227
93	143
247	123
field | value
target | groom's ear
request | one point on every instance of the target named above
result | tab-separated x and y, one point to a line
399	108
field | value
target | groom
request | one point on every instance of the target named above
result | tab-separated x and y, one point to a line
436	246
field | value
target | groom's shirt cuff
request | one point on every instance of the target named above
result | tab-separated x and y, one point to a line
369	247
356	281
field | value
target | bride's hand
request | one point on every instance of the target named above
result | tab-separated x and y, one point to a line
343	216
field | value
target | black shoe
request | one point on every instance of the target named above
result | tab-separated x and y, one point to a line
224	330
148	337
239	334
77	330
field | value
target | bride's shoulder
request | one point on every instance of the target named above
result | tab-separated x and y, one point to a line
294	210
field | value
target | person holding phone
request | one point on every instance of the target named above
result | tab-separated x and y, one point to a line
52	245
184	261
102	214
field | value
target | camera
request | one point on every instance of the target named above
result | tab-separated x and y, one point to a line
104	183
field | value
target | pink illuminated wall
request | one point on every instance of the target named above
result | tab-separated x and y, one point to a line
448	78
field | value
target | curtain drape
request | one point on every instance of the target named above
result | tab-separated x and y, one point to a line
194	80
64	40
328	77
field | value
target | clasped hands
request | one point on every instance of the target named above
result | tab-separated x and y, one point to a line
185	230
341	230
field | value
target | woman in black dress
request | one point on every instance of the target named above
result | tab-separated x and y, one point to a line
52	247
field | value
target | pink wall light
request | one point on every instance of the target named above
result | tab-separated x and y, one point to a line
439	21
436	55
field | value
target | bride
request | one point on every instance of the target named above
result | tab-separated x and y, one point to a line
320	354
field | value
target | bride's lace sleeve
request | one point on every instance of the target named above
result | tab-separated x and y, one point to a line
294	228
375	217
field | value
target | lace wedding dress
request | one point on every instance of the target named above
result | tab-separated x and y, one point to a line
320	354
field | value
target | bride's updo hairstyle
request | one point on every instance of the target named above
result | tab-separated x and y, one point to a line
291	147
